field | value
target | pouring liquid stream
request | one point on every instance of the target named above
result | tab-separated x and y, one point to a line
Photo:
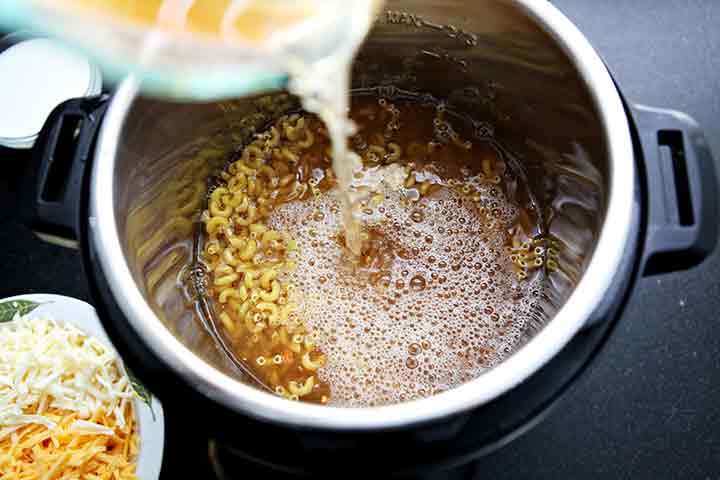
279	28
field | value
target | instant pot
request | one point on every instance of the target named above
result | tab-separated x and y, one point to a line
124	178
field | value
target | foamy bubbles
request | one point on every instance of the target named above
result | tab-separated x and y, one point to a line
436	306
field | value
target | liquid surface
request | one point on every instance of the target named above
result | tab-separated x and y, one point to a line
436	296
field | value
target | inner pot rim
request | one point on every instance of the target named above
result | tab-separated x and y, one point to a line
251	401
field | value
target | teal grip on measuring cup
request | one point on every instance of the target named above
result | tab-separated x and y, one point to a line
14	14
201	86
211	87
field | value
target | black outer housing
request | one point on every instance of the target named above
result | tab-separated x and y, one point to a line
435	445
440	444
60	215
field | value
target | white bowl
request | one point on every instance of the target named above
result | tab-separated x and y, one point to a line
151	422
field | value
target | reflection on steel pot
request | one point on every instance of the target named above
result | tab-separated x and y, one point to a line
627	200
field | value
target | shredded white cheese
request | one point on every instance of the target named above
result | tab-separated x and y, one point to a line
54	364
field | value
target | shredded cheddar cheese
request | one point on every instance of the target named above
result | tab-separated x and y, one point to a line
34	452
66	409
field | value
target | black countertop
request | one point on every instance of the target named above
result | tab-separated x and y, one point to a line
649	407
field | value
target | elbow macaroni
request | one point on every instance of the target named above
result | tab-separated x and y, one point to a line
248	259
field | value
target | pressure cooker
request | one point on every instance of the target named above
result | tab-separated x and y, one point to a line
121	178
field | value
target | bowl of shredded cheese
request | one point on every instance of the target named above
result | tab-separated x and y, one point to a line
69	408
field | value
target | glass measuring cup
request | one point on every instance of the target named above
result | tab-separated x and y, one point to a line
199	49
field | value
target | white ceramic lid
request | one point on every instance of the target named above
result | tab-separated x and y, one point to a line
37	75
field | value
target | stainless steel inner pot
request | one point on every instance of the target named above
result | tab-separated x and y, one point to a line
518	66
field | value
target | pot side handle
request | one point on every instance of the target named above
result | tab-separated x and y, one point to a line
682	191
56	178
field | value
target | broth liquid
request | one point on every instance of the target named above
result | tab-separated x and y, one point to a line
435	300
435	295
